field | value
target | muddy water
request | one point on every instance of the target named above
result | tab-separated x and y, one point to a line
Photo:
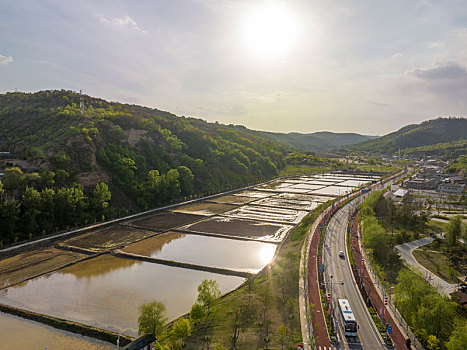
106	291
232	254
17	333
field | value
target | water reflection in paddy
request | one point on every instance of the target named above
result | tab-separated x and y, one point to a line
232	254
17	333
106	291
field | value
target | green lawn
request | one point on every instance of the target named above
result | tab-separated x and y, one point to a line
437	262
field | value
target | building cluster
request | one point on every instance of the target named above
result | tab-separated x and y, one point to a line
432	177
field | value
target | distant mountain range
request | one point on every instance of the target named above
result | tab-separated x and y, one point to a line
316	141
435	134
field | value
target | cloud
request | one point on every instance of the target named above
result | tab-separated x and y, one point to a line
448	70
378	104
121	22
5	59
397	56
234	110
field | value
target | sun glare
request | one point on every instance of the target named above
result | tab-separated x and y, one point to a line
271	30
267	253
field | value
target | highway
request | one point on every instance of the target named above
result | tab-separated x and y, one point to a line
339	269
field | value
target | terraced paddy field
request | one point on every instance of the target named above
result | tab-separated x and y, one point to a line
253	194
333	190
206	251
232	199
305	197
34	263
236	232
18	333
243	228
165	220
204	208
106	291
282	215
109	238
281	202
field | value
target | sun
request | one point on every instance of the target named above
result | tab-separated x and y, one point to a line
271	30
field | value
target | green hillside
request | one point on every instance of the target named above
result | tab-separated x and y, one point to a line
70	166
317	141
431	132
448	150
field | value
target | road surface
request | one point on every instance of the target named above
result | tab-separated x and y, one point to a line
406	252
339	269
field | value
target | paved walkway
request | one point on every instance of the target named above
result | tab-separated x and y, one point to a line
406	252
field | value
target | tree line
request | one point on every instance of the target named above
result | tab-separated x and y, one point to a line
437	321
32	205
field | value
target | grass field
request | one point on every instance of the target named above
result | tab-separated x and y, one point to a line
437	262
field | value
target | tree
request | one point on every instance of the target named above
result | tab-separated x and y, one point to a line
410	289
171	184
30	205
374	238
433	342
186	180
13	179
159	346
9	215
70	203
181	329
208	292
454	230
458	339
197	312
101	198
46	217
152	319
282	332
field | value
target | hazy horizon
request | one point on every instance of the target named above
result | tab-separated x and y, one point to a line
297	66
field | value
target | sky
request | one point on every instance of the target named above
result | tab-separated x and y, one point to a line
363	66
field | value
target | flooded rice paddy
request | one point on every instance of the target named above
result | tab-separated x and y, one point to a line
165	220
108	238
204	208
106	291
206	251
18	333
244	228
237	231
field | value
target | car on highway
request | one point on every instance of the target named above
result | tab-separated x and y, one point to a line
341	254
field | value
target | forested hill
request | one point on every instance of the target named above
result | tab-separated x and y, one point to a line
69	166
124	142
317	141
432	132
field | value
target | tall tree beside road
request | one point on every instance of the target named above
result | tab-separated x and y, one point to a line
374	238
454	230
